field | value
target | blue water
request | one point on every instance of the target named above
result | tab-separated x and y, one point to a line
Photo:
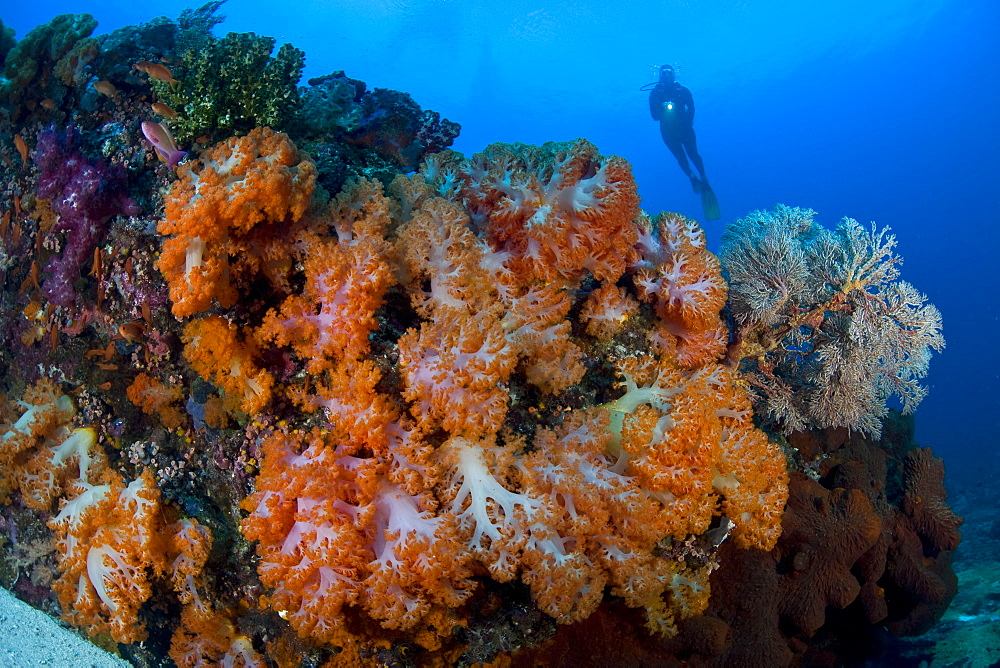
886	113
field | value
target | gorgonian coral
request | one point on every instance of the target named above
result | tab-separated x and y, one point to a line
824	330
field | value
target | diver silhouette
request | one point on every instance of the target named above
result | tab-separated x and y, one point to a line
673	106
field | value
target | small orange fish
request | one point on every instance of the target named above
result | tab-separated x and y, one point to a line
163	110
204	139
95	268
48	103
158	72
132	331
107	353
106	88
22	148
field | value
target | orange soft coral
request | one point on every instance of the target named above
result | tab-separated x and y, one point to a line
109	541
560	209
40	455
670	437
684	280
438	250
52	468
333	531
190	541
242	182
40	414
153	396
359	415
455	369
606	310
346	280
420	476
537	327
211	640
599	526
751	474
689	438
214	348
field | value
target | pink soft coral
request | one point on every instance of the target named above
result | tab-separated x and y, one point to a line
346	280
335	531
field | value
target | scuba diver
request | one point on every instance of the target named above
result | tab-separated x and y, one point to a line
673	106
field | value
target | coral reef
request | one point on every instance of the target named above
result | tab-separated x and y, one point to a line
327	393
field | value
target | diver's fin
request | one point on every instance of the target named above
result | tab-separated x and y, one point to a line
709	202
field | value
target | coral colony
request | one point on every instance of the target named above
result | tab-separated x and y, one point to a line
323	390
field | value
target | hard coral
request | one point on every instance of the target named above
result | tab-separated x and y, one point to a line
395	126
924	500
231	86
30	63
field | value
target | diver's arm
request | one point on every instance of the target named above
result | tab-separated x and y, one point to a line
655	103
689	105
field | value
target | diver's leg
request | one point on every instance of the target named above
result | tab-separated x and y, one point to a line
691	144
677	148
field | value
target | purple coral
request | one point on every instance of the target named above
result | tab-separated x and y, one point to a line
84	195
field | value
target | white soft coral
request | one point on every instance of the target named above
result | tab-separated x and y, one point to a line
490	517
